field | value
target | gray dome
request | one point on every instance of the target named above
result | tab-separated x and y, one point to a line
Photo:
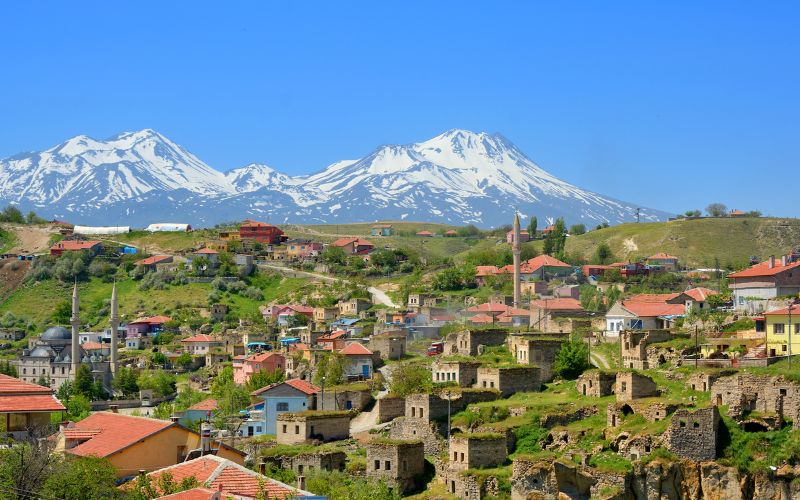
67	359
94	359
57	333
41	352
85	359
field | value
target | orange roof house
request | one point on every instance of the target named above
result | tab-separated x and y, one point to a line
244	368
229	478
353	246
426	234
766	280
643	312
558	304
483	319
25	406
59	248
135	443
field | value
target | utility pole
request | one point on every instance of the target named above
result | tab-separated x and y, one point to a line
638	214
696	348
791	305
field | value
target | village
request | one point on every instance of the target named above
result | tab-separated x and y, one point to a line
536	378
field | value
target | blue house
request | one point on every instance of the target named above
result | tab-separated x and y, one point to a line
204	410
293	395
382	230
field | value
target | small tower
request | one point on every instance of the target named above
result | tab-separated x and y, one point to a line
515	249
75	321
114	320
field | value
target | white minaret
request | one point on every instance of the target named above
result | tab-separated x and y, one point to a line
75	321
515	249
114	320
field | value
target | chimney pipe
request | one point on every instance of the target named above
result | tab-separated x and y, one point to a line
301	482
262	468
205	438
784	260
114	408
142	472
174	419
771	261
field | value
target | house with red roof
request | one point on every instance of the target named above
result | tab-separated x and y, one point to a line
201	344
644	312
766	280
544	267
333	341
359	361
260	231
24	406
556	315
288	314
694	298
92	246
450	233
354	246
524	237
147	326
664	261
245	366
155	262
136	443
209	254
226	479
483	272
293	395
204	410
425	234
596	270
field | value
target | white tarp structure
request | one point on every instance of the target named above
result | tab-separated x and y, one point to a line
101	229
168	226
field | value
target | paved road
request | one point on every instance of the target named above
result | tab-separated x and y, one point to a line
378	295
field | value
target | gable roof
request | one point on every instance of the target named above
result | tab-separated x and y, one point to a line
113	432
700	294
233	479
206	405
482	318
192	494
91	345
155	259
19	396
662	256
651	305
206	251
494	307
486	270
254	223
558	304
782	311
355	349
296	383
70	245
261	357
763	269
341	242
543	261
202	337
152	320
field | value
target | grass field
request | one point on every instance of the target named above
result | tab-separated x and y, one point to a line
695	242
7	240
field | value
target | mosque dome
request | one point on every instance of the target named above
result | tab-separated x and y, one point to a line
41	352
57	333
85	359
67	359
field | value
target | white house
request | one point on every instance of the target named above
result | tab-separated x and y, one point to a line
359	361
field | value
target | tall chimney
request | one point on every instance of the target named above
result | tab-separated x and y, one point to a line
205	438
771	261
784	260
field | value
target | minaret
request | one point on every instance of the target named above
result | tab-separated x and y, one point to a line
114	320
75	321
515	249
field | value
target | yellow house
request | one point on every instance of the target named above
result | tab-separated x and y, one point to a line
782	326
133	443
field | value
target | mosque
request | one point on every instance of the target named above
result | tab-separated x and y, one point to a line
56	355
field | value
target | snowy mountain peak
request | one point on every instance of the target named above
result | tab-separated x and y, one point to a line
457	177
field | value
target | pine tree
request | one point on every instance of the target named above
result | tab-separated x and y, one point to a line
532	227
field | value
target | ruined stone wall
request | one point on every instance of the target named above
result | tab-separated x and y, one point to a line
631	386
596	383
430	406
303	464
573	415
468	452
764	393
693	434
633	346
390	408
400	464
510	380
430	433
465	373
337	400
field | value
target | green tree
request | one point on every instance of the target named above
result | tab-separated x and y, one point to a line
410	378
77	478
184	360
12	214
604	255
334	255
84	383
532	226
331	366
577	229
125	381
62	313
572	359
6	368
159	381
717	210
263	378
78	407
159	359
230	397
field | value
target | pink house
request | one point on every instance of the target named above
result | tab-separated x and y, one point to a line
245	366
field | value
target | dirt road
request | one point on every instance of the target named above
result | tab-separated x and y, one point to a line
30	239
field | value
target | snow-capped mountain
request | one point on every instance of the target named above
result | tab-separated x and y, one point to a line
457	177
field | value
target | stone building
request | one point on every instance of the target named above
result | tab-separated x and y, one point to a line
304	463
463	372
597	383
652	411
434	406
399	464
511	379
346	398
218	312
529	350
389	345
466	342
302	427
475	451
693	434
702	381
633	344
631	385
746	392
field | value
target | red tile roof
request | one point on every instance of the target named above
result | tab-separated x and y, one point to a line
206	251
341	242
486	270
451	231
332	336
559	304
763	269
73	245
783	311
543	261
261	357
152	320
424	233
193	494
91	346
300	385
201	338
653	309
206	405
254	223
700	294
213	472
155	259
494	307
11	385
29	403
355	349
482	318
662	256
115	432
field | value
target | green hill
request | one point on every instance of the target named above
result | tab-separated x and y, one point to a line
695	242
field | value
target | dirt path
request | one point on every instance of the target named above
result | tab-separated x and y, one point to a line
599	360
30	239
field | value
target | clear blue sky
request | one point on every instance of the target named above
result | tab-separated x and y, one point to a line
670	106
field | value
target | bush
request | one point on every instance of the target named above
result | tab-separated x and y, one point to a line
572	359
254	293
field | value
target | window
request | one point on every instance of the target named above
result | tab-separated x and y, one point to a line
181	453
778	328
455	456
421	412
405	465
624	386
388	465
297	429
783	392
377	465
413	411
696	425
284	428
283	407
683	423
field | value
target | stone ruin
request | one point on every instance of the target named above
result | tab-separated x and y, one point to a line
400	464
596	383
631	385
693	434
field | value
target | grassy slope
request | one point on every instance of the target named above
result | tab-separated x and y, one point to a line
694	242
7	240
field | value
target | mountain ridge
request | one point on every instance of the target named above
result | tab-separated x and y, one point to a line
457	177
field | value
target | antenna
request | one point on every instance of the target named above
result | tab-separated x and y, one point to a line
638	215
